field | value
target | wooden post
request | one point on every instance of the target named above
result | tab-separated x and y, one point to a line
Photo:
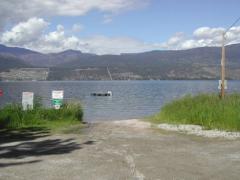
223	67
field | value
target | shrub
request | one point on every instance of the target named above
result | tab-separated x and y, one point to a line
207	110
12	116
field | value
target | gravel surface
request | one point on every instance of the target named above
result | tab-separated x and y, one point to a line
118	151
199	131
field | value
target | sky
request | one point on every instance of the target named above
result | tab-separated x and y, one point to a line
117	26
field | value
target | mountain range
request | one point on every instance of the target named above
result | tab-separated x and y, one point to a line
197	63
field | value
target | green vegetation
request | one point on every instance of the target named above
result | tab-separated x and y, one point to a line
13	117
207	110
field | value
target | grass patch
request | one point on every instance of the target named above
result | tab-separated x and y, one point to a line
13	117
207	110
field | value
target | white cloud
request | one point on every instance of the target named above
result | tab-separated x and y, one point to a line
31	34
55	41
25	32
77	28
117	45
15	11
207	32
56	36
203	36
233	35
188	44
174	42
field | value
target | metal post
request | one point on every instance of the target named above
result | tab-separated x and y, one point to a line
223	67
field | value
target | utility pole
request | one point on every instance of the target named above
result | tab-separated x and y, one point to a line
223	59
223	67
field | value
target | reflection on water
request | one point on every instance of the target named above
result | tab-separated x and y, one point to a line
131	99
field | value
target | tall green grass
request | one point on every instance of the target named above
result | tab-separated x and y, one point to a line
13	117
207	110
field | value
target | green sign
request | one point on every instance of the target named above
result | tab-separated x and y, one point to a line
57	103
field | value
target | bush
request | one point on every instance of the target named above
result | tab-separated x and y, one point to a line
12	116
207	110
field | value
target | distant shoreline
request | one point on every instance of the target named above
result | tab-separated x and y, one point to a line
115	80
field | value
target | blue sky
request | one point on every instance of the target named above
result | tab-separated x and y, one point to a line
159	20
141	25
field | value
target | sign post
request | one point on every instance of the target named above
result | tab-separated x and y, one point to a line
27	100
220	84
57	99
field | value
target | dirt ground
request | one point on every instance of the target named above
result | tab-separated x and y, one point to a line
117	151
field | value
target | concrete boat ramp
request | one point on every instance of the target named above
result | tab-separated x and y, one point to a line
118	150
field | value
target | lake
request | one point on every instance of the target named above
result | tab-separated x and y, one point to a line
131	99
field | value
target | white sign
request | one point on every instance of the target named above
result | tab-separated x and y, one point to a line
27	100
220	84
57	99
57	94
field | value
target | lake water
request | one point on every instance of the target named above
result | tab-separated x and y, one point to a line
131	99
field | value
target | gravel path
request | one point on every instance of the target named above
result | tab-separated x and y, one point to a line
119	150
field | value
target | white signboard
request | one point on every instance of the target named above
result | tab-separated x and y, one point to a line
57	99
57	94
27	100
220	84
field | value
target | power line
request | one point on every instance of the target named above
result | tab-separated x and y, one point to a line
235	22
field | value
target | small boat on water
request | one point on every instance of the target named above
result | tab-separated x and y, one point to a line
109	93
